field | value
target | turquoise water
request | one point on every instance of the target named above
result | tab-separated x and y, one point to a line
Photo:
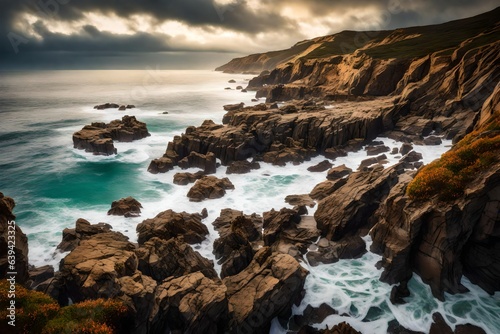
54	184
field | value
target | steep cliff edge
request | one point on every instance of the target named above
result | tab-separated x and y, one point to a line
435	71
445	222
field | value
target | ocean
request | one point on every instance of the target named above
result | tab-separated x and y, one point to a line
53	184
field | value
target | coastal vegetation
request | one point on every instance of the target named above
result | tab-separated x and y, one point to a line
448	176
36	312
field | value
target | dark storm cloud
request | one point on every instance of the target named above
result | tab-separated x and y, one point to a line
237	16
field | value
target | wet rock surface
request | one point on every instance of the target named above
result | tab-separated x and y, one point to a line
98	138
209	187
128	207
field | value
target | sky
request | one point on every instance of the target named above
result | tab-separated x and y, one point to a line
192	34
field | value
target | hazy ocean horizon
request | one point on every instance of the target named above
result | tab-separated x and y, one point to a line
53	184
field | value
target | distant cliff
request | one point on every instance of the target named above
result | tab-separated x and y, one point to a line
433	71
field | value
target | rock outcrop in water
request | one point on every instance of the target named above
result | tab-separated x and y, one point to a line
98	138
275	135
170	287
128	207
13	243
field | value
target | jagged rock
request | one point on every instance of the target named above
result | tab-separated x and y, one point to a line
233	250
415	125
334	152
394	151
396	328
276	222
300	200
244	91
127	207
189	304
375	150
252	225
399	292
370	161
39	275
432	140
313	315
448	245
98	137
321	167
209	187
106	106
332	251
412	157
267	288
405	148
184	179
326	188
338	172
137	292
92	270
160	259
239	87
341	328
122	108
289	233
130	106
161	165
292	151
241	167
346	210
169	224
8	223
205	162
71	237
278	137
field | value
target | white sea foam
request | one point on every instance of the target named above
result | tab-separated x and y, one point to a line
351	286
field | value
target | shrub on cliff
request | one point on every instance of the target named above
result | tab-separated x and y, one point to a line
448	176
38	313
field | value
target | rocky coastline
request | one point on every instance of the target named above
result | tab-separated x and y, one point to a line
167	286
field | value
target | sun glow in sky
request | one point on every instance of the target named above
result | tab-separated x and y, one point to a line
229	26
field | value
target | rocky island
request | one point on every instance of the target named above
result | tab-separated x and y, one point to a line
98	137
441	221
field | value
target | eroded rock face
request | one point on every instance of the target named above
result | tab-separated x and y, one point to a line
251	225
183	179
209	187
169	224
161	259
128	207
278	136
93	269
71	237
327	251
9	231
205	162
441	241
326	188
98	137
348	209
267	288
321	167
240	236
234	250
241	167
190	304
